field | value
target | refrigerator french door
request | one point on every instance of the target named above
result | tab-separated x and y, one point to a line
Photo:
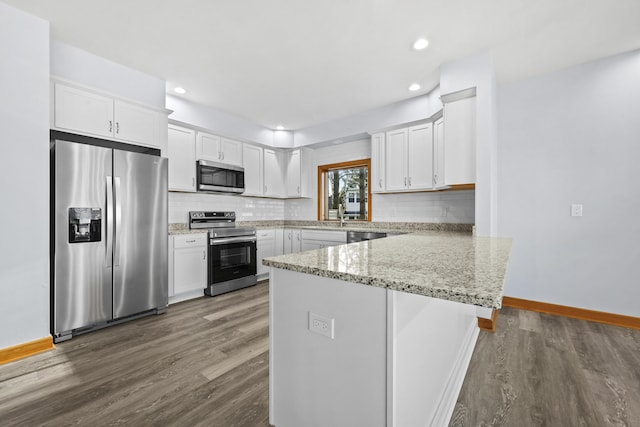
110	233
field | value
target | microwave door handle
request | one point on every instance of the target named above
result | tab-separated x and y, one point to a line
117	243
108	253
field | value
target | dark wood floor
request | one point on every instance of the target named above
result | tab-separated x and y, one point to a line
205	363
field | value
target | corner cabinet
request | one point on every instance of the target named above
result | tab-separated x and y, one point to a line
218	149
86	112
273	182
181	148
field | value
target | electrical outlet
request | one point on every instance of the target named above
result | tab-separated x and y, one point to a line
576	210
321	325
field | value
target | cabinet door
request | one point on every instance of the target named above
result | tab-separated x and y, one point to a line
208	147
136	124
438	153
182	159
396	160
460	141
252	163
296	241
265	248
83	112
288	241
189	263
420	157
377	162
294	182
273	182
230	152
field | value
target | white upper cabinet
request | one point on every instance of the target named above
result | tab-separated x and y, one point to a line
136	124
438	153
396	160
377	172
298	173
420	157
86	112
218	149
182	159
459	137
273	182
409	156
253	170
207	147
79	110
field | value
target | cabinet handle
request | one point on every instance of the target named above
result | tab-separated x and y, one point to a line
223	155
380	183
193	182
298	190
204	254
409	181
298	237
190	241
110	126
405	181
117	128
265	188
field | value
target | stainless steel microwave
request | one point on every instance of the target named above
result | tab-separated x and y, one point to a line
216	177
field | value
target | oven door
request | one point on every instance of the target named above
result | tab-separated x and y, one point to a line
231	258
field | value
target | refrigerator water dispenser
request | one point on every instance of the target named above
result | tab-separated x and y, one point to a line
85	225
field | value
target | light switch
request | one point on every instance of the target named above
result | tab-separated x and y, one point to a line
576	210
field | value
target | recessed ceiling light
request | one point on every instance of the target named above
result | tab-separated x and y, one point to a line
280	127
414	87
180	90
420	44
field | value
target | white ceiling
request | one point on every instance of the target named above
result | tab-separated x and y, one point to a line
301	63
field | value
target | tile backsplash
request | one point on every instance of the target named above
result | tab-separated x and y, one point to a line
246	208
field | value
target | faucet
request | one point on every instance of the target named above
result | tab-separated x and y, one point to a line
341	215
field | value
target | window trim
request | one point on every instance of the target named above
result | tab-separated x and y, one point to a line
323	169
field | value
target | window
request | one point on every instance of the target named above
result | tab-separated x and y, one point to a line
344	187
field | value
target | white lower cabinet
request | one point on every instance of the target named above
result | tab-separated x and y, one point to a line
266	245
292	241
318	239
187	266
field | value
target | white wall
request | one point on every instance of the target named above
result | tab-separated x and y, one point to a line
24	177
440	207
246	208
358	125
573	137
88	69
221	123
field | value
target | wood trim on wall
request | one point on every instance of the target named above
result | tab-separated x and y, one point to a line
573	312
27	349
322	169
489	325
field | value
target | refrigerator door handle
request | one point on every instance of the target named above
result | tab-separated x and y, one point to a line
108	255
116	243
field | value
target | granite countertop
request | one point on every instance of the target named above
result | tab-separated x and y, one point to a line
451	266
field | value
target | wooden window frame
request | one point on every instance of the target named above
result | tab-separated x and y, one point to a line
323	169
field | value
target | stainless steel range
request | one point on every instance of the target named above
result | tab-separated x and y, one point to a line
232	251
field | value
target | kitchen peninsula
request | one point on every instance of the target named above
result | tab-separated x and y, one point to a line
379	333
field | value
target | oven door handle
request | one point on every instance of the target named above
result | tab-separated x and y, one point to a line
216	242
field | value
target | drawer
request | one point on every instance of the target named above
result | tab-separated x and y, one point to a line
331	236
266	234
189	240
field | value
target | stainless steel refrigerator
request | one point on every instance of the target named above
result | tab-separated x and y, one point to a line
109	230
